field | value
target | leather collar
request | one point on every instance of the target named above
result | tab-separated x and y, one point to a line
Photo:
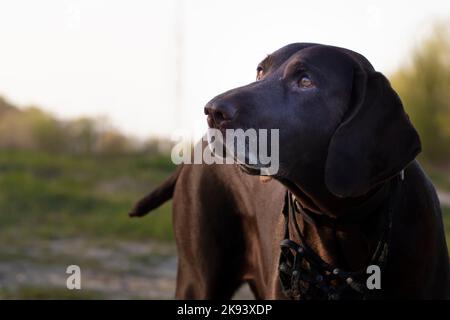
355	215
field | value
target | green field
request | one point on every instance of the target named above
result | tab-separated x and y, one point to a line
55	196
57	210
50	196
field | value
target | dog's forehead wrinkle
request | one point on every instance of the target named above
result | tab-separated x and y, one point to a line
335	55
296	64
324	61
280	56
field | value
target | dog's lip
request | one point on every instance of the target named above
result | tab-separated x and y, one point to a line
254	171
251	169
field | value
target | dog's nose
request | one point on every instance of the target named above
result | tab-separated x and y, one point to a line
219	112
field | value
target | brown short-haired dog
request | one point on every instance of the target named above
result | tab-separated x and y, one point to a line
347	157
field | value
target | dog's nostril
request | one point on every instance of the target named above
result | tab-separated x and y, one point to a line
219	116
215	117
220	111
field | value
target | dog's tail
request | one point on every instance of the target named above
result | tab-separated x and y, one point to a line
157	197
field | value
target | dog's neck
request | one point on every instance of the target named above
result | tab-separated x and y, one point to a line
307	183
335	207
338	245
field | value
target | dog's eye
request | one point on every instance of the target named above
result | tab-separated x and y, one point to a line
259	73
305	82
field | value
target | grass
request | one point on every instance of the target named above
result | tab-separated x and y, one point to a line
52	196
49	293
48	196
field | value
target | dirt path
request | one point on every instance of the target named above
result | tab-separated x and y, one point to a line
126	270
116	271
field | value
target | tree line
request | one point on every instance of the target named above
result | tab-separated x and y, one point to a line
423	83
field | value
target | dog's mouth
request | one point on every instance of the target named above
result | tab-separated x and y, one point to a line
218	143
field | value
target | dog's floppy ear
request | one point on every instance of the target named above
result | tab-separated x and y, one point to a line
374	142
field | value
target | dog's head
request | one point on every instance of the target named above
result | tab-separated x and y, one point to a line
336	116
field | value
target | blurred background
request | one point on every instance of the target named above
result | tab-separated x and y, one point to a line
93	94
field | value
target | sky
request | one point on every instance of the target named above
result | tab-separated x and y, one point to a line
151	66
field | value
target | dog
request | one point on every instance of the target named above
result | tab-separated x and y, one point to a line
347	170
